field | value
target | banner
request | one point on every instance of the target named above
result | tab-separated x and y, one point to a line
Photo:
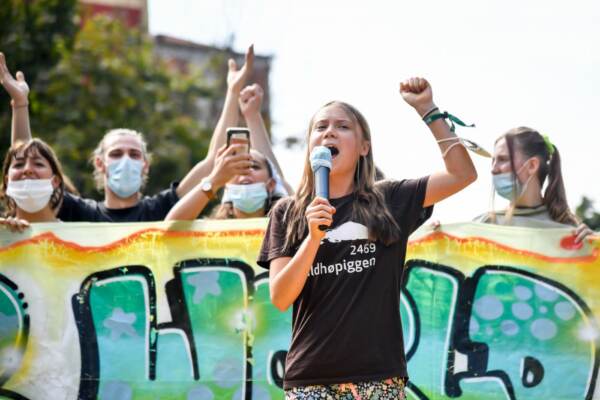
182	311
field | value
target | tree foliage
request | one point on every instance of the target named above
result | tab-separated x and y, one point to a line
32	34
111	78
585	210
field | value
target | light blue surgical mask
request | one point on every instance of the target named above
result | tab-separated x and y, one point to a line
503	183
247	198
125	176
508	186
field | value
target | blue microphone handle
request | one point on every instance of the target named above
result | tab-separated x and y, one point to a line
322	186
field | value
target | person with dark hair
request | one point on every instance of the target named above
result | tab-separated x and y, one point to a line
121	160
525	161
33	185
249	189
250	194
344	282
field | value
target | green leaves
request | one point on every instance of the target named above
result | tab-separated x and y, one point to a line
111	78
585	210
32	34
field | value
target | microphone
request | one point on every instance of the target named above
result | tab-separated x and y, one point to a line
320	163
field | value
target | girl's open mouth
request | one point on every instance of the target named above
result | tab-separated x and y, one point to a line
334	151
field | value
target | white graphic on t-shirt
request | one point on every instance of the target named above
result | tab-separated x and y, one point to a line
347	231
360	256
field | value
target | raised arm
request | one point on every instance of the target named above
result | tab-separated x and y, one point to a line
460	171
251	99
227	165
236	78
287	275
19	92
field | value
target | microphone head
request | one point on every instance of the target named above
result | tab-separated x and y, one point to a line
320	156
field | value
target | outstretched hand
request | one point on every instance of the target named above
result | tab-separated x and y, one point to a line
14	224
16	88
236	78
417	92
581	232
251	99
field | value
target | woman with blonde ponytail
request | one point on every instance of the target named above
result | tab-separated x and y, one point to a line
524	163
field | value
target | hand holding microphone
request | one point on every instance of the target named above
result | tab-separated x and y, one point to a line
319	216
319	212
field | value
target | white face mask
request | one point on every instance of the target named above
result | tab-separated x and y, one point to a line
247	198
31	195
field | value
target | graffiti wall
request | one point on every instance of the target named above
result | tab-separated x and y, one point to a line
181	311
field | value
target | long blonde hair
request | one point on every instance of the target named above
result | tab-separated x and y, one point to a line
368	208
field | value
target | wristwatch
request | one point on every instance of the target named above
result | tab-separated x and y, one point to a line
207	188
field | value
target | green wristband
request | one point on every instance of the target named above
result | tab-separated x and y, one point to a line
445	115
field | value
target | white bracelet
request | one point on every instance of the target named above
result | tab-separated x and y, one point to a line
445	153
448	139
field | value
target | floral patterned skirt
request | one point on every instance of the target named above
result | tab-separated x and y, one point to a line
387	389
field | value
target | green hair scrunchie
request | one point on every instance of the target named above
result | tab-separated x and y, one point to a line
549	145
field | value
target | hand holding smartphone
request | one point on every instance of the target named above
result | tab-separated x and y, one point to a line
239	136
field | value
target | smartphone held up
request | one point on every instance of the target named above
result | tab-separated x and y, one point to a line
239	136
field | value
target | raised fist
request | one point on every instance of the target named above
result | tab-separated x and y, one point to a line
417	92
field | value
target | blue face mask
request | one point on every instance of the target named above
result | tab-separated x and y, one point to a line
503	183
508	186
247	198
125	176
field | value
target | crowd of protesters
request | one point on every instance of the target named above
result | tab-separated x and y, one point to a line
35	189
526	170
379	216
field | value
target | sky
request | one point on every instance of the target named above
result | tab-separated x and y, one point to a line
499	64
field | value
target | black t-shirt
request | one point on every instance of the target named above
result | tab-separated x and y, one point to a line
346	321
155	208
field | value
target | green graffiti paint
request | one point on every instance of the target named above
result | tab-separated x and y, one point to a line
434	293
14	328
272	336
216	301
502	334
534	329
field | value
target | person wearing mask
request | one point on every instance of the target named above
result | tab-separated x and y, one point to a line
33	185
121	160
524	162
249	190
